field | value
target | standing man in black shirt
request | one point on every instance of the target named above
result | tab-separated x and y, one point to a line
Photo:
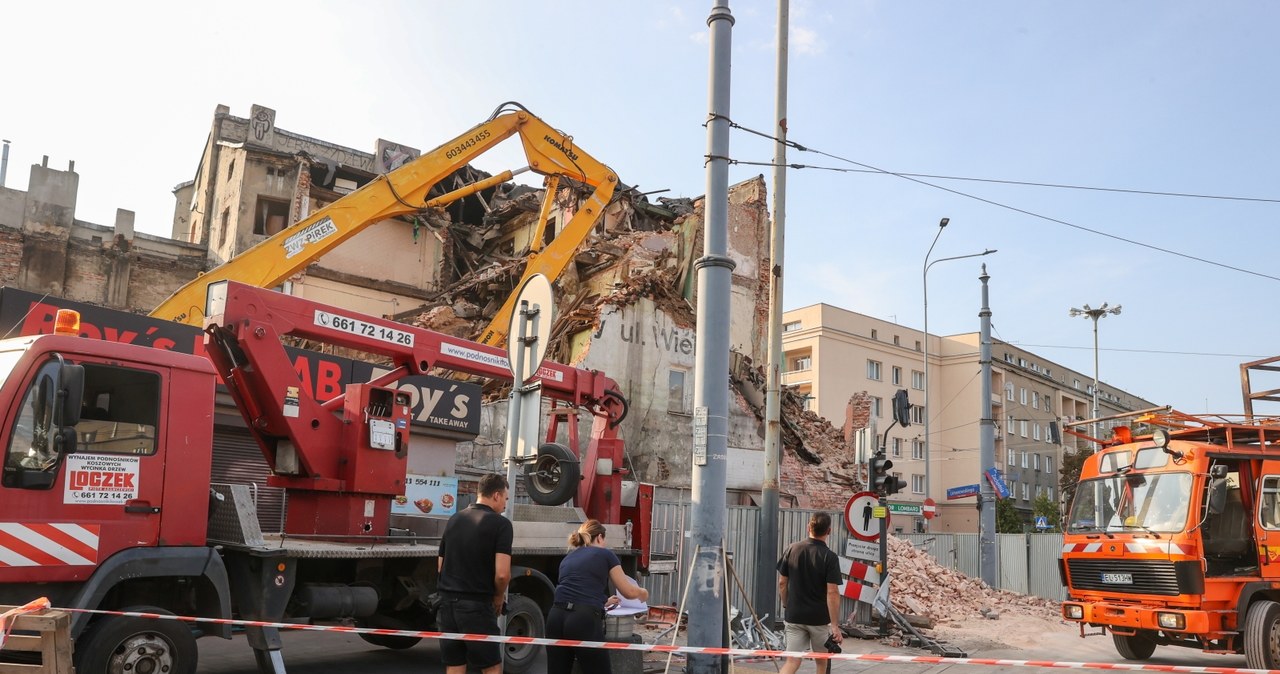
475	568
809	586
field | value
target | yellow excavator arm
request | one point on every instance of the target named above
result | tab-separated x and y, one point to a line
403	192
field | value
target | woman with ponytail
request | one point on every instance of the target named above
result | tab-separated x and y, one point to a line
582	596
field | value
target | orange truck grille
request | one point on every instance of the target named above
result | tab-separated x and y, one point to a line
1120	576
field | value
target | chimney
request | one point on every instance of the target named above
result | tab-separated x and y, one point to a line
4	162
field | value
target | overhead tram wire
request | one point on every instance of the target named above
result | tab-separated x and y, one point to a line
873	169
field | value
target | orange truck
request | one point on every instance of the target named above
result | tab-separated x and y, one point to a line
1173	536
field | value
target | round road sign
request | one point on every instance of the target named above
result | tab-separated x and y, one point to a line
930	509
859	519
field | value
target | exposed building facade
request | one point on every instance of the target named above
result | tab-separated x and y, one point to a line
627	299
833	354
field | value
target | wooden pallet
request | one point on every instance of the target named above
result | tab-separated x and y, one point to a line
47	633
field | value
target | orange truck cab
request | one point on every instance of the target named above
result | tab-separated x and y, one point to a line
1173	538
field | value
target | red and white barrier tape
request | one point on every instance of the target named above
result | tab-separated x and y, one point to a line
6	618
663	648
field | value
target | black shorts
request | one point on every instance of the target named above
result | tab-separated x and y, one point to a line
467	616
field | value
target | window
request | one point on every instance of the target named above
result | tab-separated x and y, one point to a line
807	402
877	406
120	411
1024	459
897	448
1048	464
1035	400
676	392
1025	489
231	169
873	370
1012	459
1047	407
31	446
275	178
917	484
1048	491
801	363
897	341
897	375
917	414
874	334
1077	384
917	449
269	216
1035	431
791	327
1008	391
917	345
1009	428
226	226
917	380
1022	395
1035	462
1022	427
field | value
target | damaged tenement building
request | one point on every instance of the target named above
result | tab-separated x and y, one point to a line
626	302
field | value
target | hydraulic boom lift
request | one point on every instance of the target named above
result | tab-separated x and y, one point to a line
405	191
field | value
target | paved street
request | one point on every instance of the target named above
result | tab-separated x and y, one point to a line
314	653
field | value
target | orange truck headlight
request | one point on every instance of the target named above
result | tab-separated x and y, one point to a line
1172	621
1073	611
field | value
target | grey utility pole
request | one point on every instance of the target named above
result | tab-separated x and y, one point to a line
707	586
767	544
987	449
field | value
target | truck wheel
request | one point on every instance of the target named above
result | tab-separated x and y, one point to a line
124	645
524	619
1136	647
1262	635
552	479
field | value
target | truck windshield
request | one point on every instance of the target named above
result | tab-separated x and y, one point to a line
1153	502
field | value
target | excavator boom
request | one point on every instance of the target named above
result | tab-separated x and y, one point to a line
404	192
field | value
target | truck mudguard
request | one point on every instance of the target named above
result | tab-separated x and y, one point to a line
533	584
162	562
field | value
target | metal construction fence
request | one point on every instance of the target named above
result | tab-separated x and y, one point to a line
1027	563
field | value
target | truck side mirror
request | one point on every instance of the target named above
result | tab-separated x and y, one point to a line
1217	495
70	394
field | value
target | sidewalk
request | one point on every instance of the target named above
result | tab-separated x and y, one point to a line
655	662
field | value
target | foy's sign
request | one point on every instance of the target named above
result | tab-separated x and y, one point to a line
437	402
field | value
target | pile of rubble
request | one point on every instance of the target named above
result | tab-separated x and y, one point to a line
921	586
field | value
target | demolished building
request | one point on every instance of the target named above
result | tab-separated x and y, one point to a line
626	302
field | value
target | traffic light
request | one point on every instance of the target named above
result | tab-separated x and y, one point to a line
882	481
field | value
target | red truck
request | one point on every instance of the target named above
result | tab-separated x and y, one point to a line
106	500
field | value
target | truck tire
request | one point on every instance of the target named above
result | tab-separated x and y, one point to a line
524	619
1136	647
1262	635
125	645
552	479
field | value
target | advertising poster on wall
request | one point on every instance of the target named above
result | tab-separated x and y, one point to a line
427	495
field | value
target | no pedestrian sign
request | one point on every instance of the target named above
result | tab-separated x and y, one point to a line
860	516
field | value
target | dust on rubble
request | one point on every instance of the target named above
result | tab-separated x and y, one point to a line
966	610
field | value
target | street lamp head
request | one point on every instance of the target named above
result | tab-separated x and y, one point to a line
1115	310
944	222
990	251
1074	312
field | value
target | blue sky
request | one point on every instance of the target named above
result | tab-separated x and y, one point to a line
1165	96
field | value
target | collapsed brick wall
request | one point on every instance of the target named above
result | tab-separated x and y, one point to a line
829	483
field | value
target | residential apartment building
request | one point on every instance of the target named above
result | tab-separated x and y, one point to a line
833	353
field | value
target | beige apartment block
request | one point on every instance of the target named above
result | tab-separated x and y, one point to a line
833	353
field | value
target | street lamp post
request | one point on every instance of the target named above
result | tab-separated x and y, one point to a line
925	274
1095	314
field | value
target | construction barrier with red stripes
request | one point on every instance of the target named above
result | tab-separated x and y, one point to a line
688	650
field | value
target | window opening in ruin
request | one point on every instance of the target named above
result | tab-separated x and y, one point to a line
269	216
676	392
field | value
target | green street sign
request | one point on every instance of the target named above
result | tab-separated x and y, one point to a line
905	508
